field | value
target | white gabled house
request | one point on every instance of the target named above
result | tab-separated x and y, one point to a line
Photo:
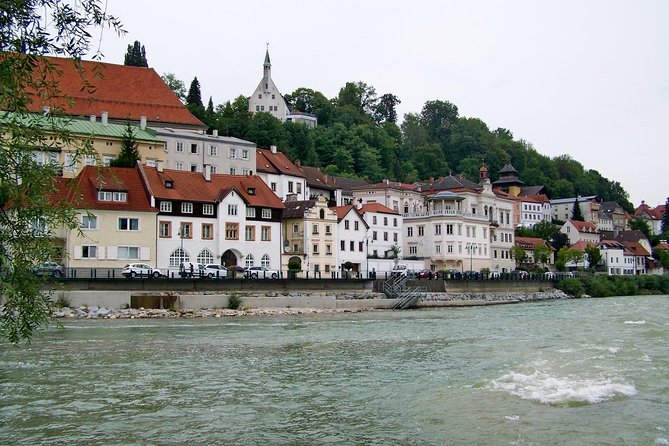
211	218
282	176
352	239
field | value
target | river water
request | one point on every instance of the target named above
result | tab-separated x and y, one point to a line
576	372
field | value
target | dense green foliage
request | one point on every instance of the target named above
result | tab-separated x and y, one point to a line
136	55
129	154
576	213
605	286
358	136
665	217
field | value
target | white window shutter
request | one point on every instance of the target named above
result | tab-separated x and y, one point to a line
145	253
77	252
112	252
101	252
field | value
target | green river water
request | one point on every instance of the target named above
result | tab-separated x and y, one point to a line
569	372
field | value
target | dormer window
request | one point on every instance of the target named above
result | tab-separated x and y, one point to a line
120	197
165	206
251	190
169	184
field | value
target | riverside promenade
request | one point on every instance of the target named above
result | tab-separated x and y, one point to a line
332	295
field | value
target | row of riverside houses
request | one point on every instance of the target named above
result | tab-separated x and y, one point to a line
325	223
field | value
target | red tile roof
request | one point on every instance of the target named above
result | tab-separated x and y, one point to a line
611	244
635	249
655	213
122	91
662	245
192	186
581	245
276	163
388	184
342	211
116	179
376	207
530	242
584	226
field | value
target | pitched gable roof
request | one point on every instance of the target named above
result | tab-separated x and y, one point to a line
530	242
122	91
316	178
192	186
631	236
343	211
92	179
449	182
584	226
276	162
296	209
376	207
387	184
635	249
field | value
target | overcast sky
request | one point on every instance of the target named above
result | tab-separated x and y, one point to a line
584	78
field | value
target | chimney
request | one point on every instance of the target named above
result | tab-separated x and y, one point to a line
386	181
643	202
105	118
431	180
298	163
142	123
441	179
207	172
358	205
272	149
92	118
160	165
215	133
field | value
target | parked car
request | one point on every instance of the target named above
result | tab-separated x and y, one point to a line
133	270
196	271
425	274
215	271
472	275
52	269
549	275
400	270
493	275
452	274
261	272
520	274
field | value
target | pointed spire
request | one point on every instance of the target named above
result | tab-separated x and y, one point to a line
267	62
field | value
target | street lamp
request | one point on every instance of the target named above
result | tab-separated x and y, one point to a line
366	239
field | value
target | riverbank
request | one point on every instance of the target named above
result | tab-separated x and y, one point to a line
256	304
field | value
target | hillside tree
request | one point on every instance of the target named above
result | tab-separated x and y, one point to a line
129	154
576	213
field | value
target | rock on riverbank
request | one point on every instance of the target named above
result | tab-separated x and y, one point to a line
552	294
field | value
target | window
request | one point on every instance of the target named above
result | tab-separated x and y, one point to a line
394	236
315	251
449	249
120	197
165	206
273	187
232	209
232	231
207	232
89	160
449	229
257	108
179	165
266	213
193	148
385	236
264	261
328	249
89	252
290	187
298	188
179	256
374	236
413	250
193	167
89	222
410	231
385	221
213	151
437	229
314	230
187	208
128	224
437	249
351	245
328	230
233	171
104	196
250	233
186	230
232	152
346	224
265	233
249	261
296	247
250	212
342	245
421	231
205	256
356	225
360	244
296	228
246	171
127	253
180	146
165	229
213	169
321	214
395	222
245	154
374	220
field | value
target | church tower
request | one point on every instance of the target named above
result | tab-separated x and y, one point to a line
266	97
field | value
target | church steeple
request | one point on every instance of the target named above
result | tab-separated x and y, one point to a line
267	69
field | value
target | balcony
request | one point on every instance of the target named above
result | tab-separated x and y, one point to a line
449	214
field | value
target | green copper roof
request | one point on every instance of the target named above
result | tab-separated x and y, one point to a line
86	127
267	62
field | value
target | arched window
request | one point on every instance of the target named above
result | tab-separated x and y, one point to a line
205	256
406	207
250	261
322	213
265	261
178	257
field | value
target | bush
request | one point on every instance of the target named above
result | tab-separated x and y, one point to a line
234	302
62	301
572	286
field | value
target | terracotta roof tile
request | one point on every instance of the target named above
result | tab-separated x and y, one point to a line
192	186
114	179
124	92
276	163
376	207
581	245
584	226
318	179
530	242
296	209
635	249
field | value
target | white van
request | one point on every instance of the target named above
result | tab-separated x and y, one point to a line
400	270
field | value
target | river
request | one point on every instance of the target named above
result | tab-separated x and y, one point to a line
567	372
